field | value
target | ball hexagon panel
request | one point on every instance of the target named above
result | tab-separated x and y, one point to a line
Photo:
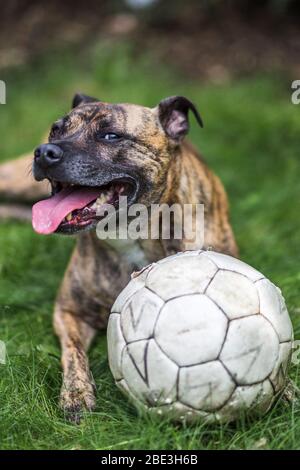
257	397
250	350
234	264
191	323
264	400
115	345
205	387
234	293
149	374
132	287
123	387
273	307
139	315
184	275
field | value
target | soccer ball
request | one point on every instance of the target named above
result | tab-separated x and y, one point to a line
200	335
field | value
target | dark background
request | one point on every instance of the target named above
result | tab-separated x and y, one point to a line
208	39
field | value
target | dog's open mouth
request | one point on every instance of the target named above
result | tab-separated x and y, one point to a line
72	208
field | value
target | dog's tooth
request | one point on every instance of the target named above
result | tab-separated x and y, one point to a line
69	217
101	199
109	194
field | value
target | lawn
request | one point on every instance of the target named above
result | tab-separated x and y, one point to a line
250	139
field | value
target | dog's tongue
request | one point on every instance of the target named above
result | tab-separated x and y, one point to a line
49	213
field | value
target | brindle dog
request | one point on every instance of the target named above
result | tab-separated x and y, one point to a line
102	148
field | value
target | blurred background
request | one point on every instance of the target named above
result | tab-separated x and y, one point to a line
206	39
236	61
129	49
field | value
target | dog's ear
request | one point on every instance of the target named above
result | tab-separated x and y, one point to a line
80	98
173	115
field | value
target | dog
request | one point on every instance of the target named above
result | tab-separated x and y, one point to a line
103	150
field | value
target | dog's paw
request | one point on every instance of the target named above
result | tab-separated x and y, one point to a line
74	400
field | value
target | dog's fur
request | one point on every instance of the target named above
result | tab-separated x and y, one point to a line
165	169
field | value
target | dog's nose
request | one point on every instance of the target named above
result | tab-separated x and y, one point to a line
48	154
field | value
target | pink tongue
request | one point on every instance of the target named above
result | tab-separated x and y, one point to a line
49	213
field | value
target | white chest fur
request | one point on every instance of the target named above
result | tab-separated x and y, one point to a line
129	250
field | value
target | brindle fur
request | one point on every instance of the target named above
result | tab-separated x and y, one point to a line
169	171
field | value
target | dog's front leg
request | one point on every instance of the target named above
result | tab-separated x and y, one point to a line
83	304
78	389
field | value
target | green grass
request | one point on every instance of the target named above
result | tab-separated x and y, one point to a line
251	139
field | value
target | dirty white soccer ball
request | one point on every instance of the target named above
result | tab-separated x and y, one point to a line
200	335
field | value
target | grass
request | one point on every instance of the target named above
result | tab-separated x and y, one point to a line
251	139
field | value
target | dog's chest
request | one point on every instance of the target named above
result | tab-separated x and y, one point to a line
130	251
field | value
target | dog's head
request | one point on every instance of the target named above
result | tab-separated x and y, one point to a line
100	151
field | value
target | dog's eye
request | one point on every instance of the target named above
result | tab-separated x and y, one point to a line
111	136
